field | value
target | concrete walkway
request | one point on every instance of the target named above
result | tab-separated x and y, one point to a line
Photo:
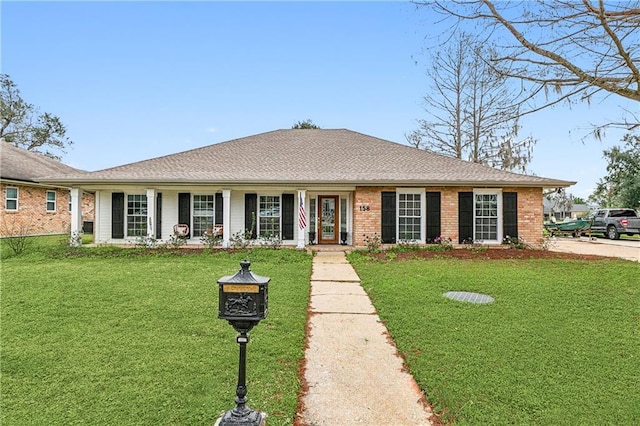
353	372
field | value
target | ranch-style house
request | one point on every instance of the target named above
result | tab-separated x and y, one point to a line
310	186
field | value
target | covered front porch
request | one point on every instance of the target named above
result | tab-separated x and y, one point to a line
293	217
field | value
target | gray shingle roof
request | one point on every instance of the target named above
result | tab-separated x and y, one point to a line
22	165
308	156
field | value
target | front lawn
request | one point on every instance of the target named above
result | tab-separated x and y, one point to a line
115	336
37	243
560	344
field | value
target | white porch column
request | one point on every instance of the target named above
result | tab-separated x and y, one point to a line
226	218
76	217
96	216
151	212
302	217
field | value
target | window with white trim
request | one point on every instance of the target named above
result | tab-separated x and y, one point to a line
486	216
51	201
136	215
269	216
409	216
70	203
203	214
11	198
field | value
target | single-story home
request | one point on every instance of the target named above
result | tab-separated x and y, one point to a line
31	207
312	186
573	211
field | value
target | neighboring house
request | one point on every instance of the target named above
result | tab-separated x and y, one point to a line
313	186
30	207
573	211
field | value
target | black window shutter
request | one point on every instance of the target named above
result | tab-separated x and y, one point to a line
251	213
510	214
388	218
117	215
159	215
288	213
465	217
184	210
219	215
433	216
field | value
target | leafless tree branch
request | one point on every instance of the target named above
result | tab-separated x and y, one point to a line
587	46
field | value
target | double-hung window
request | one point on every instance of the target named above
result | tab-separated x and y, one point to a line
269	216
203	214
51	201
136	215
409	216
486	216
11	198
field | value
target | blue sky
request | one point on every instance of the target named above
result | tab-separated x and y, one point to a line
135	80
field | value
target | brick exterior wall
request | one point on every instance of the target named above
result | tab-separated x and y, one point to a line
449	210
530	215
32	217
88	206
367	215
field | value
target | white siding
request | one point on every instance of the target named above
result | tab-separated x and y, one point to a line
169	213
103	211
237	212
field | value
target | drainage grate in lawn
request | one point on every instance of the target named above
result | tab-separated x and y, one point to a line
465	296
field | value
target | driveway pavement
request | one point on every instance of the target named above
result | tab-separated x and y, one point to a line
625	249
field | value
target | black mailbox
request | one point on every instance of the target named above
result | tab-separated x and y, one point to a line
243	296
243	303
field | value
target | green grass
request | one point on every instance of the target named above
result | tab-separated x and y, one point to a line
115	336
560	345
41	243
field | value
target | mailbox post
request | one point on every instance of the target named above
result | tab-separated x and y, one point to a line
243	302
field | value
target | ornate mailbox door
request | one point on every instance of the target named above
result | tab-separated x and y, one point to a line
243	297
240	300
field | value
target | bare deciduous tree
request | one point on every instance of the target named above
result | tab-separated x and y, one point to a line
17	234
472	110
566	49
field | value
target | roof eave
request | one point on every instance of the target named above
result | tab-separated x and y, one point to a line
26	182
547	183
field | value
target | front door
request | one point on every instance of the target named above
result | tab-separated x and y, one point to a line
328	214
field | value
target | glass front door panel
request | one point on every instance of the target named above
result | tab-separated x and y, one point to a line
328	230
328	218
